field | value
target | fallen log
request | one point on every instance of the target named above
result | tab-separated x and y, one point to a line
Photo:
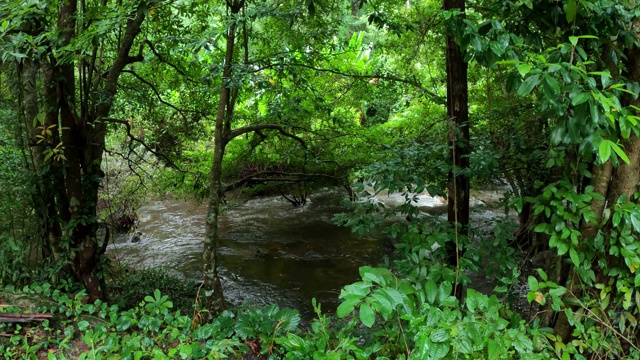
23	318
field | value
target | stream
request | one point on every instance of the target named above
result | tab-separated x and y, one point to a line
271	252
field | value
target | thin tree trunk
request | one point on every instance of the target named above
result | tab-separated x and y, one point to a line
213	287
458	113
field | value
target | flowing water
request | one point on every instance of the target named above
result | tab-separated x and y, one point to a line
271	252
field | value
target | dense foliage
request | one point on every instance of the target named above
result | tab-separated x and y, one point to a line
104	105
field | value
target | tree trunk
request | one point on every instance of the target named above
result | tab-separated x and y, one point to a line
67	143
458	114
611	184
213	287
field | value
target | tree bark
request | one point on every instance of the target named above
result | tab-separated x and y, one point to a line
222	134
458	114
611	184
69	178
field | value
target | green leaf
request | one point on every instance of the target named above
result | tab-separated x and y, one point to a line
604	150
552	83
346	307
366	315
635	219
580	98
476	43
595	113
573	254
494	349
395	296
498	48
383	304
557	292
431	290
605	79
83	325
527	86
562	248
358	289
542	227
533	283
524	69
543	275
439	351
472	300
620	152
522	343
573	40
571	11
440	335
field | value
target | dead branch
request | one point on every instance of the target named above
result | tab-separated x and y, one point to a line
23	318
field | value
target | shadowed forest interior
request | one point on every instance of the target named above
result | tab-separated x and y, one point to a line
319	179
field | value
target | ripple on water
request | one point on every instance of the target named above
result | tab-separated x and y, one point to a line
271	252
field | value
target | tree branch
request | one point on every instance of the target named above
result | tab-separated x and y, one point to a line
255	128
141	142
284	176
163	60
413	82
155	91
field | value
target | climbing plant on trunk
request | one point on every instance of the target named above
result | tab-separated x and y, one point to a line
588	86
69	79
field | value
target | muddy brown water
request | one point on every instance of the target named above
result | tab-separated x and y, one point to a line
271	252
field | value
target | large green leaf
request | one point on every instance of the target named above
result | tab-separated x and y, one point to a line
439	336
527	86
580	98
431	290
524	69
571	10
366	315
438	351
346	307
533	283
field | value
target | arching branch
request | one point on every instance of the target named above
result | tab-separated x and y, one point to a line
255	128
413	82
276	176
